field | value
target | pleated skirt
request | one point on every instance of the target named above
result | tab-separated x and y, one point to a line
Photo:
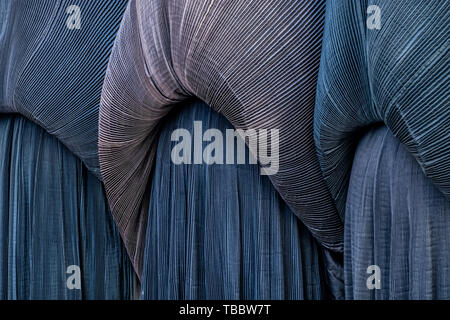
57	236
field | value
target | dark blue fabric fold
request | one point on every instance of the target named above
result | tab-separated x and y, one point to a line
255	62
54	214
397	220
396	75
222	231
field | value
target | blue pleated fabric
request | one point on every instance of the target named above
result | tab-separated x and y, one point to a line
54	214
397	75
51	72
397	219
222	231
255	62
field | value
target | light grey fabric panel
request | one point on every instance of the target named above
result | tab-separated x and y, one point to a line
255	62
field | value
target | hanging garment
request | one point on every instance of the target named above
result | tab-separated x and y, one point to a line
51	72
221	231
255	62
397	220
384	62
58	238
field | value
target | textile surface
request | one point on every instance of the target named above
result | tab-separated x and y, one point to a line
396	75
52	74
53	215
255	62
221	231
396	219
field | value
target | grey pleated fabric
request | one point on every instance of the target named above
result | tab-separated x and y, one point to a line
52	74
255	62
54	215
395	219
397	75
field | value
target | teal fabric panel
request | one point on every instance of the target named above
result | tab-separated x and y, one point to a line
397	75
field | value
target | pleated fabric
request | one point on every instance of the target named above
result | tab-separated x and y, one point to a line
221	231
396	219
396	75
52	74
53	215
255	62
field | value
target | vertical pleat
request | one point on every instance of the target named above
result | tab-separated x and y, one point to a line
53	214
396	75
222	231
255	62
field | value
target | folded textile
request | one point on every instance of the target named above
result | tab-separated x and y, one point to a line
53	58
255	62
392	71
397	220
221	231
58	238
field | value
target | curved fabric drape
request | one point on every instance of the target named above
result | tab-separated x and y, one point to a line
222	231
397	75
395	219
255	62
52	74
54	214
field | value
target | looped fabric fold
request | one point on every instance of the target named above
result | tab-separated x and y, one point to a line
396	75
255	62
54	218
396	220
52	74
53	212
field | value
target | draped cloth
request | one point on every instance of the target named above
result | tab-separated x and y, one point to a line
221	231
396	219
255	62
52	74
396	75
53	215
53	211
